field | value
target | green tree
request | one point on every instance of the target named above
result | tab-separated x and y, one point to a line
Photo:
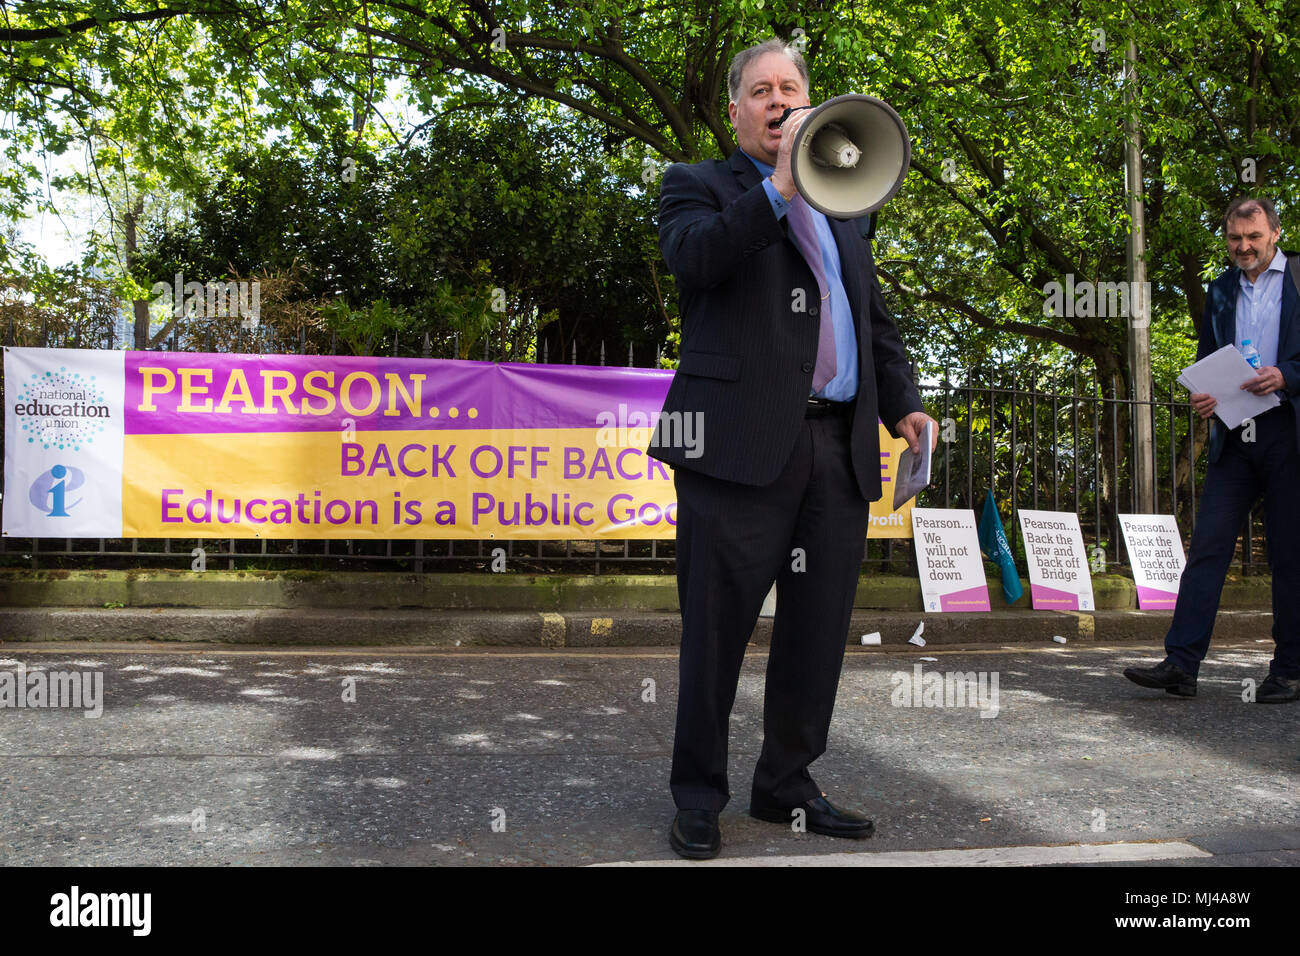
481	233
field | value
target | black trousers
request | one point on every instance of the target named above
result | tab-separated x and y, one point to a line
733	540
1268	466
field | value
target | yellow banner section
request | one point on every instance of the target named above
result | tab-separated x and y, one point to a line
469	483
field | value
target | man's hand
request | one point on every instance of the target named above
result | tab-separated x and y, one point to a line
781	178
911	427
1204	404
1268	380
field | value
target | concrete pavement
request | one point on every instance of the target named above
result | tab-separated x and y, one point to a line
225	755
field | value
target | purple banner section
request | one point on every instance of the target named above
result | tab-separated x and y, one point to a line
171	393
970	599
1153	599
1053	598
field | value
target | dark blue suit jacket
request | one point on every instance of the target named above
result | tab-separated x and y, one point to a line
1219	328
747	357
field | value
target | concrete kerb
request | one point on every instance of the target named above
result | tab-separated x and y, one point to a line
448	610
308	589
472	591
581	629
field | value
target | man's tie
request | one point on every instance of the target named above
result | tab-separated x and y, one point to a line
805	237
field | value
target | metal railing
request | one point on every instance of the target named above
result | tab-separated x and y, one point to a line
1068	450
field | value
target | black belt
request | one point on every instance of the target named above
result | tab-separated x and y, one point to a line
821	407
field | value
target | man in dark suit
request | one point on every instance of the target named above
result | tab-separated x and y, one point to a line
1257	300
787	358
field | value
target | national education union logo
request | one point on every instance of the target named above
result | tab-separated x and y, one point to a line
61	409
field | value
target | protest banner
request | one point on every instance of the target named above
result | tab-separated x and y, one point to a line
124	444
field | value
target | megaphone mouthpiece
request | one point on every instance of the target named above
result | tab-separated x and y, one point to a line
832	147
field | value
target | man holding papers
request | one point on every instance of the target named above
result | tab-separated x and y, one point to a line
1257	300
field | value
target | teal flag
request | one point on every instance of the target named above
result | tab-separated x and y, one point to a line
993	542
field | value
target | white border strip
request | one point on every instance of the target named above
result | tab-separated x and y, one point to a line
982	856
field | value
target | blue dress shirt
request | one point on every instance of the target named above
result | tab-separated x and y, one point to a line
844	386
1259	309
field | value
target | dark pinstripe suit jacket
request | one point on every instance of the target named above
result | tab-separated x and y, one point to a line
746	356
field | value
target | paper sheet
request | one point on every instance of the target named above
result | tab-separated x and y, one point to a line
913	470
1221	374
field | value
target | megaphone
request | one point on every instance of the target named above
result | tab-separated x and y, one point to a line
851	155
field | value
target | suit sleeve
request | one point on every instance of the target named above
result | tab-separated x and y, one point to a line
1289	365
703	243
1207	344
896	393
1290	369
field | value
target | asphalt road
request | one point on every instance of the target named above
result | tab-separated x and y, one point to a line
235	756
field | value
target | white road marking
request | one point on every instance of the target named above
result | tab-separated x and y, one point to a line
980	856
407	650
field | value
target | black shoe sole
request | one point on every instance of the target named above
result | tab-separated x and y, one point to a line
1178	690
864	834
704	853
1276	700
780	816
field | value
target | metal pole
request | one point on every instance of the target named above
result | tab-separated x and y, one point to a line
1139	338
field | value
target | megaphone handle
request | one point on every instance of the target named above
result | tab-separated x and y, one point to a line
789	110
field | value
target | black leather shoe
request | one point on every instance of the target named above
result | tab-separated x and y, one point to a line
695	834
1165	675
820	816
1278	690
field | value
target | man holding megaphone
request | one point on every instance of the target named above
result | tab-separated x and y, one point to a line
789	357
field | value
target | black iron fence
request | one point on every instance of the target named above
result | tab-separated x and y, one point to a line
1069	447
1056	443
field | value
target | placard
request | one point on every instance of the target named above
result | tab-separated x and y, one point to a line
1155	551
948	560
1059	578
